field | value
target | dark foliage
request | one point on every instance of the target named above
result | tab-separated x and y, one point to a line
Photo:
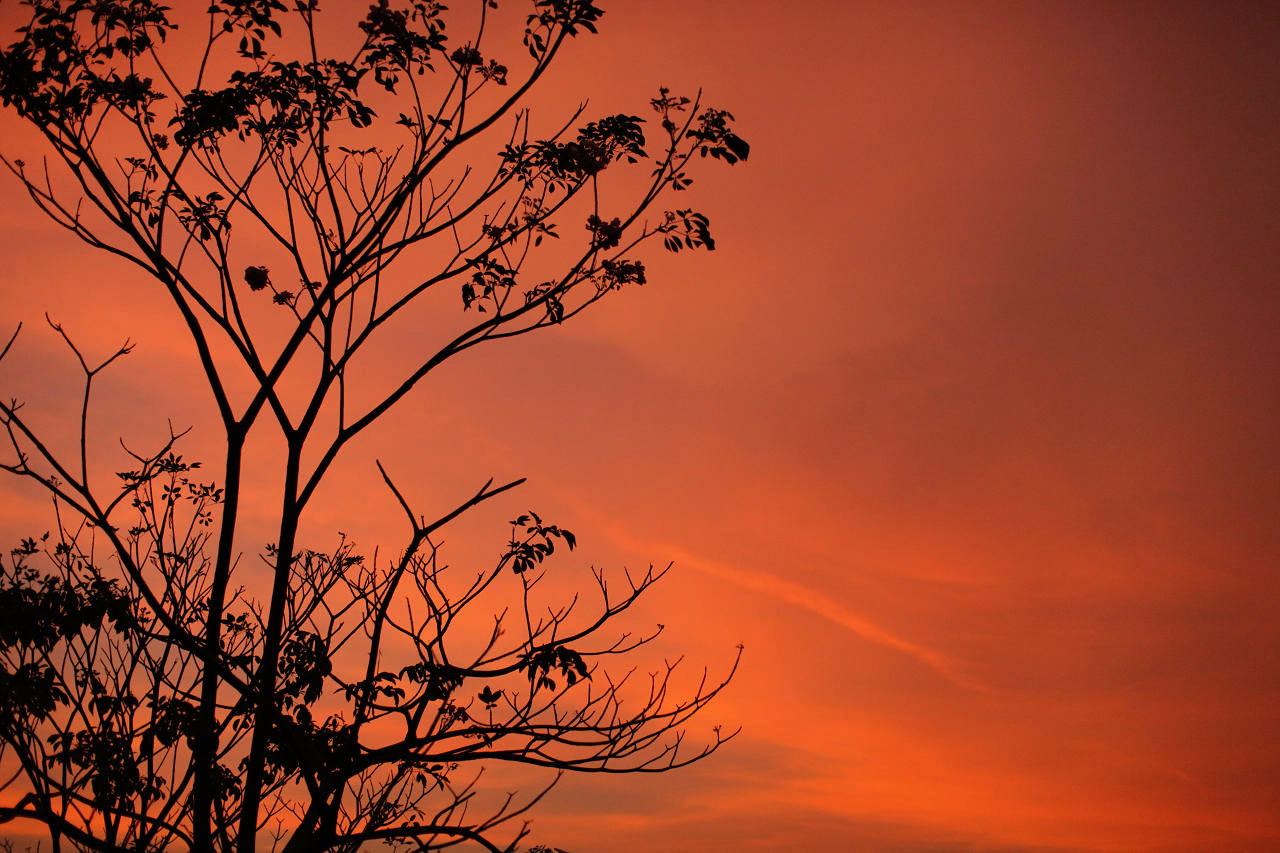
153	693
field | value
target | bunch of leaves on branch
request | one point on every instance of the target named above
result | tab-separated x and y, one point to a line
289	204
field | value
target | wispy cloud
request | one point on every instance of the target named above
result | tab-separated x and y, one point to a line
833	611
787	591
796	595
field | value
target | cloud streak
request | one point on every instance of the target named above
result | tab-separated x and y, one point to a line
798	595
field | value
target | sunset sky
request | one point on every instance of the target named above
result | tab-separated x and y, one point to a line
967	430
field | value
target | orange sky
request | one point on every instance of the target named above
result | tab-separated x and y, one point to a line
967	430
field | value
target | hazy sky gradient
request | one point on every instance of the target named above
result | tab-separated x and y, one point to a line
967	429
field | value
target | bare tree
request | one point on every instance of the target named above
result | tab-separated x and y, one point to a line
149	698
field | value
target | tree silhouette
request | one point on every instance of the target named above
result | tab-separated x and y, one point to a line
150	695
